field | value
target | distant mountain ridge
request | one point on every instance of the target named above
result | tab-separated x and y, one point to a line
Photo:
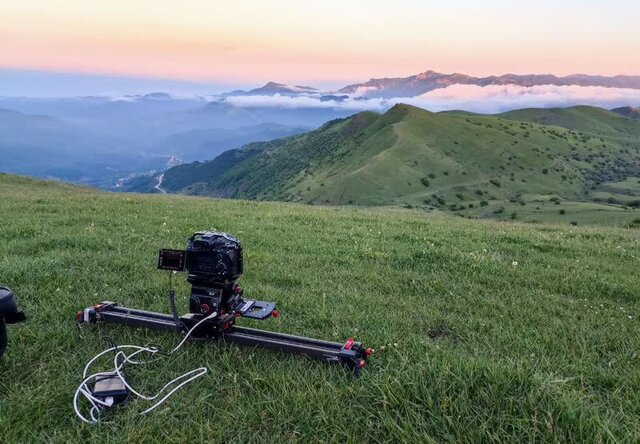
419	84
272	88
416	85
15	119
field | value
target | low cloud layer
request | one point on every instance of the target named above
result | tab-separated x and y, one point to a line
496	98
489	99
304	101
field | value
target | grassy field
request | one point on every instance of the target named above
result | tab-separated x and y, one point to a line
483	330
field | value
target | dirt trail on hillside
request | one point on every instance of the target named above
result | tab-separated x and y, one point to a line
158	186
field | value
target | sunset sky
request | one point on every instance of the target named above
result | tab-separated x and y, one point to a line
328	42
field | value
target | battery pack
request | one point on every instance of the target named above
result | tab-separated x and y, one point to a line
111	386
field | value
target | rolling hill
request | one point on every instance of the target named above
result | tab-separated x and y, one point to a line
584	119
530	164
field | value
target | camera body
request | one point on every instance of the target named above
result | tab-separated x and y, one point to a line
213	258
214	262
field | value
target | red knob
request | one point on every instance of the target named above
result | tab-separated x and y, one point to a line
205	309
362	363
275	313
368	352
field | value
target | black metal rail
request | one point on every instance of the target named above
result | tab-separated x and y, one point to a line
350	354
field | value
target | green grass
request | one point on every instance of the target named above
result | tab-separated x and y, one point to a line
484	331
540	209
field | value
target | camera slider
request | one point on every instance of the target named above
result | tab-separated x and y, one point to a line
350	354
214	262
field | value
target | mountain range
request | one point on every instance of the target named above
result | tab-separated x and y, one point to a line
101	141
419	84
416	85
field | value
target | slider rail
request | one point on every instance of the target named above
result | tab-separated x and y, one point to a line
134	318
350	354
313	348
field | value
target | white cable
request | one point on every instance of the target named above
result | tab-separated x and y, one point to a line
196	374
84	390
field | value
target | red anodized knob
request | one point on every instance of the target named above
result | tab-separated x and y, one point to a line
368	352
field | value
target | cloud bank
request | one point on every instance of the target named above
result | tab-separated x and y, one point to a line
489	99
304	101
499	98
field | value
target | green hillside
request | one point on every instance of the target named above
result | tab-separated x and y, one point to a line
484	331
584	119
534	165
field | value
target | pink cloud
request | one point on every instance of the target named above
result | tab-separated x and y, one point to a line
498	98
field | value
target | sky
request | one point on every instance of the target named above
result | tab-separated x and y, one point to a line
328	43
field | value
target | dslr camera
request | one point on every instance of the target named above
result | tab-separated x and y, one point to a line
214	263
